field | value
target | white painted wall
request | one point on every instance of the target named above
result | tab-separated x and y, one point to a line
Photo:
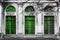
56	25
59	16
39	25
0	17
20	20
20	26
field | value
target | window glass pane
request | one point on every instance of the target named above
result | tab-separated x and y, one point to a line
29	25
29	9
10	9
49	24
10	25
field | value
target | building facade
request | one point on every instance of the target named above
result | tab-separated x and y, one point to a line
30	19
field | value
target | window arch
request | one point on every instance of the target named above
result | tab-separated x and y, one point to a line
10	9
48	9
29	9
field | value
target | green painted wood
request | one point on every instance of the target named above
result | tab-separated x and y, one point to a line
29	9
49	24
29	25
10	25
10	9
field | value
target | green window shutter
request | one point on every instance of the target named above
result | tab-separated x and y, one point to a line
29	9
10	25
49	24
29	24
10	9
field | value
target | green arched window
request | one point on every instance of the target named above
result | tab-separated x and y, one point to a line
48	9
29	9
10	9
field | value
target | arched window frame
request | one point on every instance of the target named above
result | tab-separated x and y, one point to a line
47	10
33	10
10	11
